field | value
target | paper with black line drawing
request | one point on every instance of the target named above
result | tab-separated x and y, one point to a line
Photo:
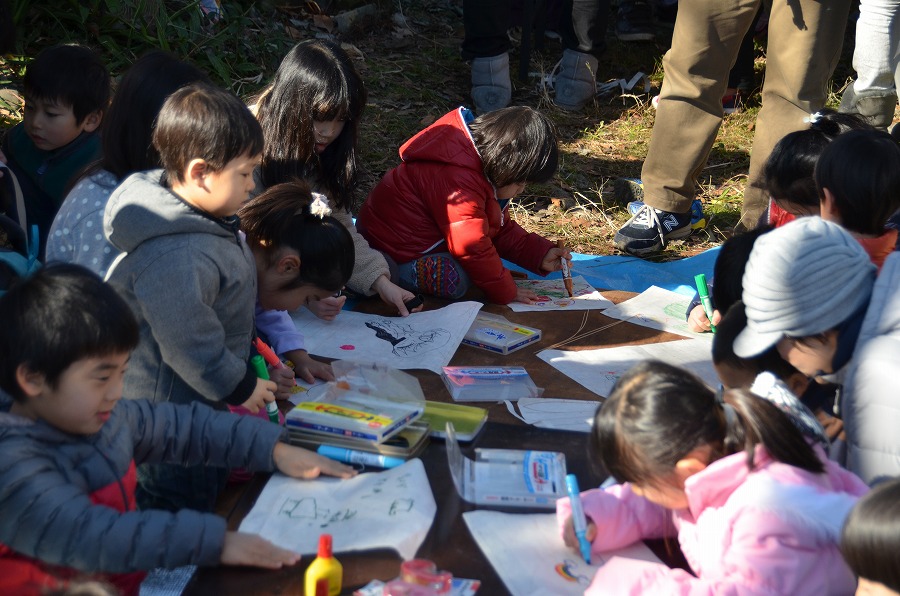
389	509
552	295
598	370
555	413
658	309
528	553
422	340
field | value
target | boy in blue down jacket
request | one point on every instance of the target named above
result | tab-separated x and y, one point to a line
67	476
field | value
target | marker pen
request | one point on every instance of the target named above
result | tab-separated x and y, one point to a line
703	291
567	276
578	517
268	353
259	365
352	456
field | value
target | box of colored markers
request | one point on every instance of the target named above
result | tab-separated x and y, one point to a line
489	383
367	401
496	333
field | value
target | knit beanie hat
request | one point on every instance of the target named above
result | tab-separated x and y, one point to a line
802	279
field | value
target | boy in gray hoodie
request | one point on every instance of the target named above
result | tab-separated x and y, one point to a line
188	275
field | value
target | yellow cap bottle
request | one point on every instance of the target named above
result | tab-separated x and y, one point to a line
326	567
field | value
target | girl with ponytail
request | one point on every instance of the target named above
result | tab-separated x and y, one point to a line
756	506
302	253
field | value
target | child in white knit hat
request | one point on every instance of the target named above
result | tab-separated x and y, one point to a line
810	290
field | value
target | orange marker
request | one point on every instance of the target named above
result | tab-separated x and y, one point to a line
567	277
267	353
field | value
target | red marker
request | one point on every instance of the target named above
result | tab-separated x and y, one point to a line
266	352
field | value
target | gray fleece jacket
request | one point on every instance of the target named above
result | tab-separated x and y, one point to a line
191	281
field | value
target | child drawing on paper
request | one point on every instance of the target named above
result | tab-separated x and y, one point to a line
738	479
405	340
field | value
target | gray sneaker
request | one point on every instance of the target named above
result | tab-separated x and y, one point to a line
634	21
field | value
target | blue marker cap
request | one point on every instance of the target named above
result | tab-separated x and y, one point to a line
578	518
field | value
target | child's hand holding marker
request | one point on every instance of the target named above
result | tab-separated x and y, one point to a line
572	540
553	259
698	322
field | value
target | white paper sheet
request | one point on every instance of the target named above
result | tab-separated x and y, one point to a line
555	413
528	553
552	295
658	309
390	509
598	370
422	340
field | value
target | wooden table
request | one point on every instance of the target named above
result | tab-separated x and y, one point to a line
449	543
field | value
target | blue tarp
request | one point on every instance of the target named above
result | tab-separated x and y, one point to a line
634	274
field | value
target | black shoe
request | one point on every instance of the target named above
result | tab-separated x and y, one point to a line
649	229
635	21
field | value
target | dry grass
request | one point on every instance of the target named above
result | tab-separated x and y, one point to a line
409	58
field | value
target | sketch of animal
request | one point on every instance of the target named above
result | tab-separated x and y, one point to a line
405	340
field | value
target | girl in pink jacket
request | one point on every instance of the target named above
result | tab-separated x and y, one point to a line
755	507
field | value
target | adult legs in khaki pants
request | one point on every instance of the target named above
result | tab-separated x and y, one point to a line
804	43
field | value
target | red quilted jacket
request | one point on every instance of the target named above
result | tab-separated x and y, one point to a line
439	200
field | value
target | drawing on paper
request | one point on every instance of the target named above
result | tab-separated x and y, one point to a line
390	509
552	295
422	340
406	341
568	571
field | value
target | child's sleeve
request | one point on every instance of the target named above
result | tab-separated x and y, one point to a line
195	433
47	517
525	249
279	331
622	517
369	265
190	336
762	557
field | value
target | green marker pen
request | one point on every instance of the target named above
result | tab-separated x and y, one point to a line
259	364
700	280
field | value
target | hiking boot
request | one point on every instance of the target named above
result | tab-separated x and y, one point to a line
649	229
698	218
634	21
491	88
576	82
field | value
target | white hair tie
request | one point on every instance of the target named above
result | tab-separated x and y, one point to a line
813	118
319	207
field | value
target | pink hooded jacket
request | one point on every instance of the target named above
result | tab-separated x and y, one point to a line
772	530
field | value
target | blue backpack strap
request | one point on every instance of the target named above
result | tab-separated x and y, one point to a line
33	248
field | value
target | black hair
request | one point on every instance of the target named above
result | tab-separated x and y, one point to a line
862	170
728	271
69	75
658	413
60	315
516	144
788	171
315	81
280	217
870	541
731	325
200	121
127	127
